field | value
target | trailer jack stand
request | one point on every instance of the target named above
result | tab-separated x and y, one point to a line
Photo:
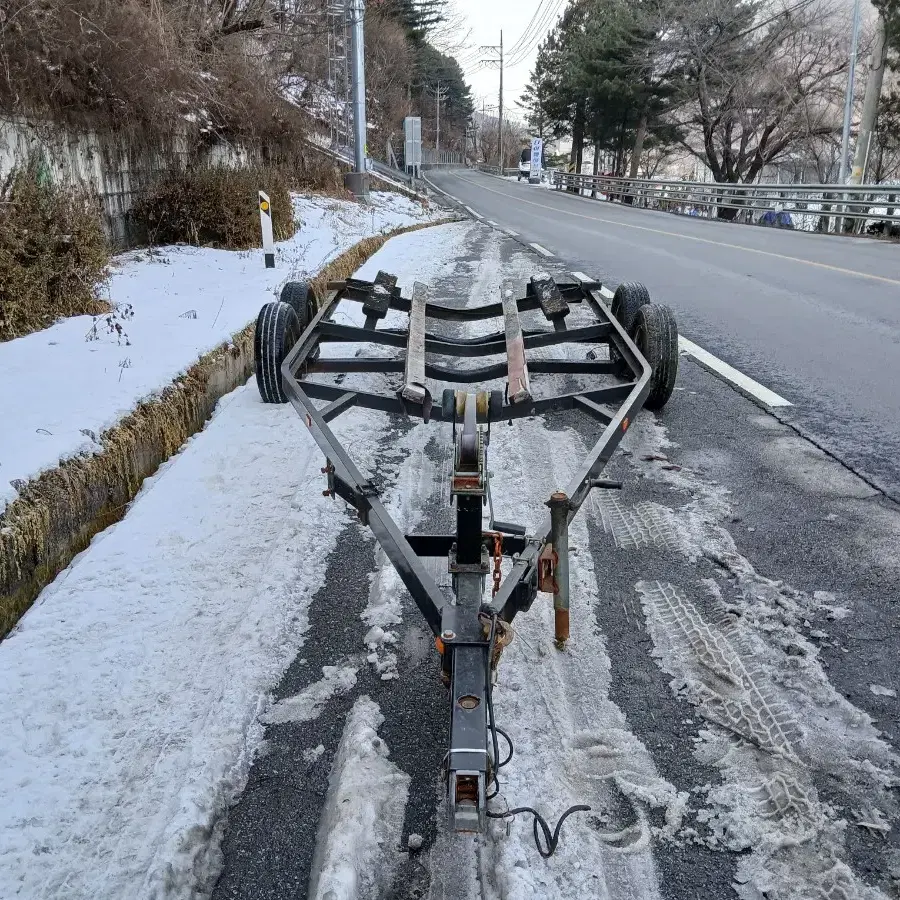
559	540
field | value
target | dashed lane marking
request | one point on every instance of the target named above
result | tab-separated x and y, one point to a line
542	250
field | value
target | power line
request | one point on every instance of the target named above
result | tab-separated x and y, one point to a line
522	53
524	36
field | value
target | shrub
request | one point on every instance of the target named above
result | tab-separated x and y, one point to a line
214	207
53	253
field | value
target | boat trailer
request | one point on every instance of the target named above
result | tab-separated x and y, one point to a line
423	380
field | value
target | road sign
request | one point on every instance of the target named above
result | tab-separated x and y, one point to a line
537	151
412	143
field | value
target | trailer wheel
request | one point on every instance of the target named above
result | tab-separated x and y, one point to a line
656	336
301	296
629	297
277	330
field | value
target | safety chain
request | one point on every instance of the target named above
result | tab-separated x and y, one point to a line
498	560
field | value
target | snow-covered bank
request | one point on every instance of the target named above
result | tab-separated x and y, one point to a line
70	382
130	692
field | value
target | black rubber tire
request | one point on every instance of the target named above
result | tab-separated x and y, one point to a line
629	297
656	336
277	330
302	298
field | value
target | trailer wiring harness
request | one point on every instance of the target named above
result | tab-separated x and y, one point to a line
551	839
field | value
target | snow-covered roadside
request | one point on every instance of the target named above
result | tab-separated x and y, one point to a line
130	693
67	384
573	744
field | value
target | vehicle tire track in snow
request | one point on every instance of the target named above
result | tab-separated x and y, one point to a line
777	729
768	802
642	525
724	690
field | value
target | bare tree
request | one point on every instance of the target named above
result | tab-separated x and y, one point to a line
514	137
759	80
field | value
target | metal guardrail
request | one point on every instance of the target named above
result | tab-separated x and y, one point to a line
495	170
443	158
858	202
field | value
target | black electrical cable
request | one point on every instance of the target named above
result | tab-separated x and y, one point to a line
551	839
508	740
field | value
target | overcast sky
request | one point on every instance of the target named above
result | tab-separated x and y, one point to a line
484	19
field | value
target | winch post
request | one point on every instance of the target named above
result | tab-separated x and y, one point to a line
559	538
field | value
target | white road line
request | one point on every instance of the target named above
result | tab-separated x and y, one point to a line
492	222
742	382
542	250
511	233
477	215
582	277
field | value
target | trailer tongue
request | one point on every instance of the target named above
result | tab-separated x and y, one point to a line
471	630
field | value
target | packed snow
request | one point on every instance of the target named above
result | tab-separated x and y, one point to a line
307	705
364	808
171	306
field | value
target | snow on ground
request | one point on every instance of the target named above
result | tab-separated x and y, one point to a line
130	693
366	798
307	705
775	718
79	377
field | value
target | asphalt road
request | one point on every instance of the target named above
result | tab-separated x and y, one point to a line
815	318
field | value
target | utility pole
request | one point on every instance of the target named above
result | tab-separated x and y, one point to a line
500	115
848	100
870	105
439	93
357	181
498	60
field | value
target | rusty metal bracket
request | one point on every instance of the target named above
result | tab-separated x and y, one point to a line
357	498
547	570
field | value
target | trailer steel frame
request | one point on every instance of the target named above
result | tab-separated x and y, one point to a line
470	632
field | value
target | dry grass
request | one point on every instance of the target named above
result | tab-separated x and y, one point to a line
53	253
214	207
56	515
